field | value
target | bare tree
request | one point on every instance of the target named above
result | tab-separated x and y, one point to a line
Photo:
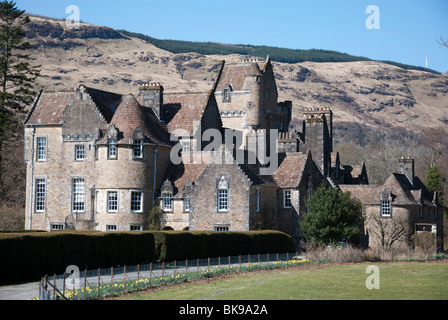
387	231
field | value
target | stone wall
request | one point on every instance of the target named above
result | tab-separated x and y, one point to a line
204	214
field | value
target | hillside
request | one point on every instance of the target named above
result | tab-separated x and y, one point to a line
366	96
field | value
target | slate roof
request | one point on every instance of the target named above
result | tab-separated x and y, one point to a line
49	108
234	74
130	115
106	102
191	107
51	105
291	169
403	192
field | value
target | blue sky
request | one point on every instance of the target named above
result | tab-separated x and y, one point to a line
408	30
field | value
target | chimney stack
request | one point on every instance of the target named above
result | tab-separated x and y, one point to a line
152	97
406	167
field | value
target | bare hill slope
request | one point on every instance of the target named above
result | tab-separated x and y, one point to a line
365	96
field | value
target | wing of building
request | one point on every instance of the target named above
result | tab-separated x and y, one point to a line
224	160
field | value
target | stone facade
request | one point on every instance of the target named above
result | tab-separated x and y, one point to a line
398	209
98	160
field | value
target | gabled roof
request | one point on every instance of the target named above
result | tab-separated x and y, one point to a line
402	191
106	102
49	108
290	171
367	194
234	74
191	107
400	187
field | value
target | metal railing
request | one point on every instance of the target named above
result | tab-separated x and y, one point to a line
114	281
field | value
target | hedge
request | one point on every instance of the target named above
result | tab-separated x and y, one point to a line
174	245
29	256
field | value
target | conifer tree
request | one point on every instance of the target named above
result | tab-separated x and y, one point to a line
17	76
436	182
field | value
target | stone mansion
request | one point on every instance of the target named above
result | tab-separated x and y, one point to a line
101	161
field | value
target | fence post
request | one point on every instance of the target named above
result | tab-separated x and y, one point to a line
258	260
150	274
85	283
163	270
99	282
111	281
239	258
219	263
209	263
125	279
229	263
186	270
197	263
138	277
268	259
174	269
63	285
54	287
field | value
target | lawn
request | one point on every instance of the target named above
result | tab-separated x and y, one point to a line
397	281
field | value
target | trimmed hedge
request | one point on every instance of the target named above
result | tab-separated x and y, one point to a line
173	245
26	257
29	256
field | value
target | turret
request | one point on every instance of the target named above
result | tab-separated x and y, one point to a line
254	82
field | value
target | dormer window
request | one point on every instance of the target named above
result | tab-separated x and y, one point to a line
167	202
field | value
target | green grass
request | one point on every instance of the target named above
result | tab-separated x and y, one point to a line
398	281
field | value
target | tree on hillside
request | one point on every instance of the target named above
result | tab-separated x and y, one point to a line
332	217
